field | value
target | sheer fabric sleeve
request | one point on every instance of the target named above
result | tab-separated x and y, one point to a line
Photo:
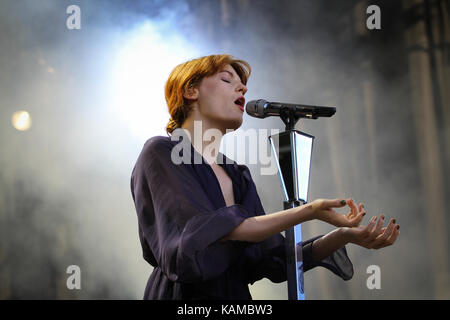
338	262
272	261
178	221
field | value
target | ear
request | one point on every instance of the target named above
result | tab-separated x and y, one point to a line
191	93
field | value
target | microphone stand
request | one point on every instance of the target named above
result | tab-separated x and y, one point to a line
292	150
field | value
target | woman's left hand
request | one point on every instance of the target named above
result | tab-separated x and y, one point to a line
374	235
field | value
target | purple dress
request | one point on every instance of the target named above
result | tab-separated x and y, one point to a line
181	216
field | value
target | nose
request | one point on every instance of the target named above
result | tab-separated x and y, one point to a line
241	88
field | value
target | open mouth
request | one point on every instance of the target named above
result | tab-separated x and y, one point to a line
240	102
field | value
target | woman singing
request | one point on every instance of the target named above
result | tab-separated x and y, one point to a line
201	224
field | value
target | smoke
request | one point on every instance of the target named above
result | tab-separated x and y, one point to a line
367	152
65	197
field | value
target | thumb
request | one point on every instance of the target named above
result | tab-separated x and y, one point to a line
324	204
336	203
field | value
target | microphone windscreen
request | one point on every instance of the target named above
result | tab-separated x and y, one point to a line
255	108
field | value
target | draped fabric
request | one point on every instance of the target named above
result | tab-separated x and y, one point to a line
182	215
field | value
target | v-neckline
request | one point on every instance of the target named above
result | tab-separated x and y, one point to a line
223	165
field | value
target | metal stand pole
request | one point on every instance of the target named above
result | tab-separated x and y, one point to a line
292	150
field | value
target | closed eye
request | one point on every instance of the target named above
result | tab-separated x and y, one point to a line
226	81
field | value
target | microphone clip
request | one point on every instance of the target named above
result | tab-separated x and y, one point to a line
290	117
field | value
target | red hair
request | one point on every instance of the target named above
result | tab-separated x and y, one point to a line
188	75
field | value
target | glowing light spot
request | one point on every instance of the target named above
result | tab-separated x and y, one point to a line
141	68
21	120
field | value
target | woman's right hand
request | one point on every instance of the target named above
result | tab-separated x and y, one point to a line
322	209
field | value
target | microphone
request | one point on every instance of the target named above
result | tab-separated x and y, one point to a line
262	109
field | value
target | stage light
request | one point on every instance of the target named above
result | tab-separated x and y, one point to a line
145	58
21	120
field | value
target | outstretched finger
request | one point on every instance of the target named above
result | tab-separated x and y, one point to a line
372	224
353	209
360	207
361	211
358	219
386	232
394	234
380	224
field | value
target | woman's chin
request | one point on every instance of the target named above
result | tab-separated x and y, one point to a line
228	123
234	124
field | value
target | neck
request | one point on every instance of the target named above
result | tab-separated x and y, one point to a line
197	128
